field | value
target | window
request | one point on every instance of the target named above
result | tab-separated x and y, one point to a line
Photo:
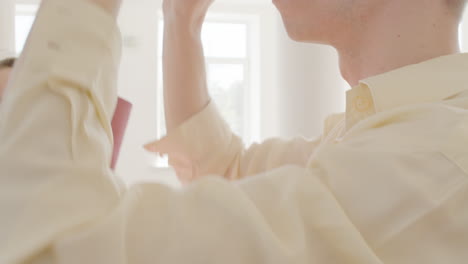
463	32
24	18
229	44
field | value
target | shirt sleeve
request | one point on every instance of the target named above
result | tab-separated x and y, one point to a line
205	145
56	139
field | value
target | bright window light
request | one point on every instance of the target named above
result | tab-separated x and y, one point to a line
225	40
463	32
24	19
227	87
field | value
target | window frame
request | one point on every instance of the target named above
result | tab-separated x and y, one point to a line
252	107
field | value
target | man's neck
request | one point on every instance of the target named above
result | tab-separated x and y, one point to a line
384	43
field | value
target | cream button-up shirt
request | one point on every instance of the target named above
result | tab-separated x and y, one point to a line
387	182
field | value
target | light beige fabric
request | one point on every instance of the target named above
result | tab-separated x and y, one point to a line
392	188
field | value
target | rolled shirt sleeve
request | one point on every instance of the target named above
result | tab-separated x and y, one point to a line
205	145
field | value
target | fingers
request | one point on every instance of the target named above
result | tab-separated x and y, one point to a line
150	147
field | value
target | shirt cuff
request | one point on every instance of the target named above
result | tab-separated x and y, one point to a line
202	145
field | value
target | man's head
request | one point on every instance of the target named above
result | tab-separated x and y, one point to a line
329	21
6	67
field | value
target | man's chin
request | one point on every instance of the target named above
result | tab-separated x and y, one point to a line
298	34
295	34
282	6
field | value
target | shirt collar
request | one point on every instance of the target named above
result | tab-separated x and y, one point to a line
425	82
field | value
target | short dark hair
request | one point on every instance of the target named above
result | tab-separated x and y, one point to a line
7	63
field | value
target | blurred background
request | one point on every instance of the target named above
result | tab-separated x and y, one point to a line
264	84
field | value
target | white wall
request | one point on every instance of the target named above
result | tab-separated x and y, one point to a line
7	30
137	84
464	32
310	86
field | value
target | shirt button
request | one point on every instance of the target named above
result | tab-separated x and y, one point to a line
361	104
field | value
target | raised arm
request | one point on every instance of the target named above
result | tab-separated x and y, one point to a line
55	133
185	85
199	142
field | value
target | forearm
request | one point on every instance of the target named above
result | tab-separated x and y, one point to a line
185	85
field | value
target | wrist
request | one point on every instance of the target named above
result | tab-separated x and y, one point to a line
183	24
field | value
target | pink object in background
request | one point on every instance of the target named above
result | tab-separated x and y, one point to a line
119	124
